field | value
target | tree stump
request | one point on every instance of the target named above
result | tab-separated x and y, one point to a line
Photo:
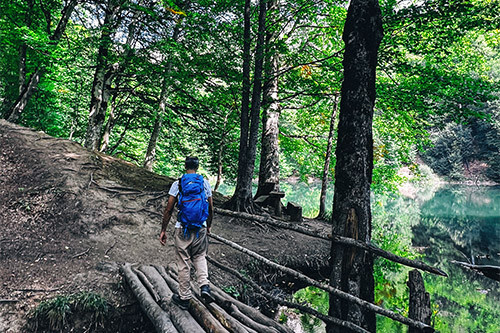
275	201
420	302
294	211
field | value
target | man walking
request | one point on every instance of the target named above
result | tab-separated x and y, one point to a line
194	219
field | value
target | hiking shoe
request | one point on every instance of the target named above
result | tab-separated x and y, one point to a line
206	294
182	303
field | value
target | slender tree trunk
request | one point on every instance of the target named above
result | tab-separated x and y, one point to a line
352	270
326	167
155	134
23	48
241	186
24	97
102	78
269	171
110	124
222	144
27	88
243	193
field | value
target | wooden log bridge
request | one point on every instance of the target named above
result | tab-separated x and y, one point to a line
153	286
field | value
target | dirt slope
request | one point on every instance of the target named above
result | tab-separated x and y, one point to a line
70	217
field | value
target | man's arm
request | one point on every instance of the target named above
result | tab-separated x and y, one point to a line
166	218
210	213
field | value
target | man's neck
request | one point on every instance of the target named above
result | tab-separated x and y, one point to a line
190	171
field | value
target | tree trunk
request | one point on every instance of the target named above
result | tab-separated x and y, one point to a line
420	301
326	167
24	97
110	124
222	144
352	269
102	79
269	171
151	152
26	89
155	134
242	186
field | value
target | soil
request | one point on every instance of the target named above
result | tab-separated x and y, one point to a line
70	217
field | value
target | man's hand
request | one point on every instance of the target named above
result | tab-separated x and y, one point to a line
163	238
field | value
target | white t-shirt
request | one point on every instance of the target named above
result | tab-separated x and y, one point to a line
174	191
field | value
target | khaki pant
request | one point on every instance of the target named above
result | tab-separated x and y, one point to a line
193	249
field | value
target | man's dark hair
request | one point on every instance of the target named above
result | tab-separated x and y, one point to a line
191	163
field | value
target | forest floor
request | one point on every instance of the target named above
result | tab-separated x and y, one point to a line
70	217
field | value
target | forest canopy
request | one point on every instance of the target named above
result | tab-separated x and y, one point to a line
154	81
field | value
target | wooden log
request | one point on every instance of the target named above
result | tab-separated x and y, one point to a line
245	314
338	239
158	317
493	272
147	284
196	308
181	319
229	322
420	301
339	293
294	211
302	308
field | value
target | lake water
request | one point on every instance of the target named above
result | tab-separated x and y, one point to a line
437	224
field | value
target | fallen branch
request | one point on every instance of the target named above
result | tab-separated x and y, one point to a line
9	300
81	254
338	239
110	248
34	290
339	293
293	305
493	272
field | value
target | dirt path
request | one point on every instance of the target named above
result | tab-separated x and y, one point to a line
70	217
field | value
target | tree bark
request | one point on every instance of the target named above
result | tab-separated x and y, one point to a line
420	301
180	319
155	134
102	79
269	170
326	167
205	318
24	97
352	270
158	317
246	314
237	201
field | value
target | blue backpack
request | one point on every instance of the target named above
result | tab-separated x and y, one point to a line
192	203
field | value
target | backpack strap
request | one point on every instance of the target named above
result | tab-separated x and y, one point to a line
180	185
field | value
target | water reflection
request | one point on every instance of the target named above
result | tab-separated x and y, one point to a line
442	224
446	223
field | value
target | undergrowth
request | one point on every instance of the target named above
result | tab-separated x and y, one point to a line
61	312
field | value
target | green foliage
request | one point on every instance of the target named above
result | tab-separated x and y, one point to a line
54	312
317	299
59	312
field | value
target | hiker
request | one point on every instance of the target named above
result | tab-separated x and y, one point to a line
194	219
